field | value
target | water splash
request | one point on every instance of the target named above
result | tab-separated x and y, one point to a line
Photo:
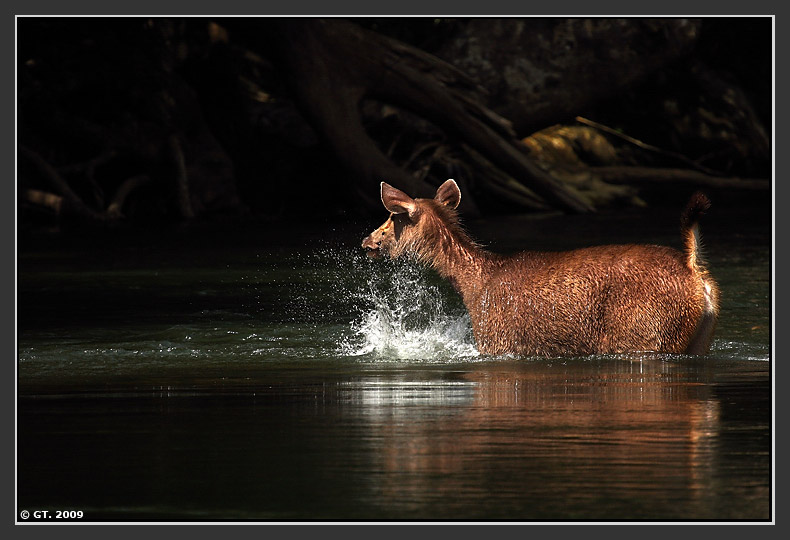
404	316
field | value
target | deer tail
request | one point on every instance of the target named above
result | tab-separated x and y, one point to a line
689	225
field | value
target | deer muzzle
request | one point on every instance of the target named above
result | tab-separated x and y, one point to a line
372	247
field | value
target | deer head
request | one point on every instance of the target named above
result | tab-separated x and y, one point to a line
412	222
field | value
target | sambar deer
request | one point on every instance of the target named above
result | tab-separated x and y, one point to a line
595	300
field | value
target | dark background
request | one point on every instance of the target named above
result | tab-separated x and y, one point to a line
148	121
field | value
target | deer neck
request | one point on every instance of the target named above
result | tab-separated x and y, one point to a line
456	257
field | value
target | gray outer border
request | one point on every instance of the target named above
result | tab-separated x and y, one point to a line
307	8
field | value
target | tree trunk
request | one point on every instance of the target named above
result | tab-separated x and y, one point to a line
333	64
545	71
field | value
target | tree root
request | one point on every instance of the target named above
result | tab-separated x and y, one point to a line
318	56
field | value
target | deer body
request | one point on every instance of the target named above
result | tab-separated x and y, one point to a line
605	299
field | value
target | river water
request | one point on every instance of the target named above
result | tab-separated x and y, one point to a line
274	373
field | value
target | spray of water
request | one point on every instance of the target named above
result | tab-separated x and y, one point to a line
404	316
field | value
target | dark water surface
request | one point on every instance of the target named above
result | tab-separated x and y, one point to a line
239	374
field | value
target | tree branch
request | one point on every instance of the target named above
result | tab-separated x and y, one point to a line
58	183
123	191
645	146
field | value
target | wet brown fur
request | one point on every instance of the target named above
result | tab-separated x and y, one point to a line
606	299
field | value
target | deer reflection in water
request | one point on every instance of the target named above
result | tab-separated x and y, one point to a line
531	434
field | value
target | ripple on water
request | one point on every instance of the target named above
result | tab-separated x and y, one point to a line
740	350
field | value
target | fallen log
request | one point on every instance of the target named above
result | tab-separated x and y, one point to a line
647	175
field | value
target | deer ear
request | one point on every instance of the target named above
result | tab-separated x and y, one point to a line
449	194
397	201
